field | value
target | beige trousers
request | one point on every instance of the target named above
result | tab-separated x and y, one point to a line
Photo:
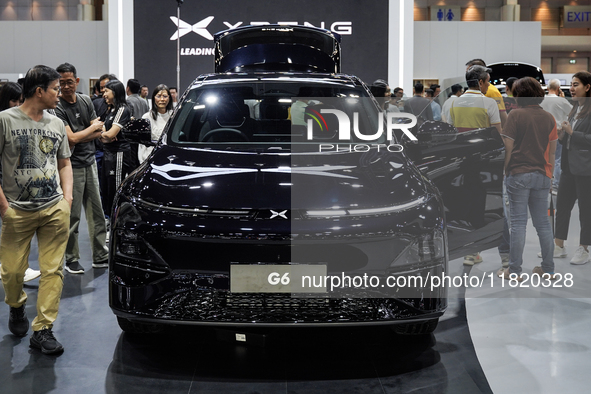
52	228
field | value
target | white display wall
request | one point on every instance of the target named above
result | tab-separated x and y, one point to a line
441	49
28	43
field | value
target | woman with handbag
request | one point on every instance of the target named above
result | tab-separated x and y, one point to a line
575	181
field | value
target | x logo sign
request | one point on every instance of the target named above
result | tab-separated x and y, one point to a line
280	214
185	28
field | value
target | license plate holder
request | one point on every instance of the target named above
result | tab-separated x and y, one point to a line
278	278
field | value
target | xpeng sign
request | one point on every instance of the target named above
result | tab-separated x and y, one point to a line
200	28
364	34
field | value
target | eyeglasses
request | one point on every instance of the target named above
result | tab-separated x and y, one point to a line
161	97
69	82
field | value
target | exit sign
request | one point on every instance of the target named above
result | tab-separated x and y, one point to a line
577	16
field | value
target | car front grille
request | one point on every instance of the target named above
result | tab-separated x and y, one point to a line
221	306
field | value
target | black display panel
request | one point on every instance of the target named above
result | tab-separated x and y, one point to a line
362	25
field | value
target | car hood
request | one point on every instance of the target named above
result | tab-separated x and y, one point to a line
202	178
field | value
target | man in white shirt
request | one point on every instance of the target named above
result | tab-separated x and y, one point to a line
559	107
456	91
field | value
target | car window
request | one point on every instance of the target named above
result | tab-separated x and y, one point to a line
503	71
259	114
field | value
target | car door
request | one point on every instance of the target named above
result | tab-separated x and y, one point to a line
467	168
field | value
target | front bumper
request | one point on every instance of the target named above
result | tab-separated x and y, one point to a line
183	277
227	309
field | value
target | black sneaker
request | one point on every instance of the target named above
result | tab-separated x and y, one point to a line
18	324
101	264
46	342
74	267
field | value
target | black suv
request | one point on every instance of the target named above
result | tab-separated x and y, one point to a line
253	175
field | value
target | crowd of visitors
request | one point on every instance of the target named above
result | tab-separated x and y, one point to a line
62	151
547	142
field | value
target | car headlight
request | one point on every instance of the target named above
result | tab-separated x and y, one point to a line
135	262
424	248
131	244
128	241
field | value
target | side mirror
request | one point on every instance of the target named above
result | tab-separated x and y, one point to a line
436	132
139	130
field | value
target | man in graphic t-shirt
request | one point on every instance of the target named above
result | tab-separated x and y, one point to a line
35	198
83	127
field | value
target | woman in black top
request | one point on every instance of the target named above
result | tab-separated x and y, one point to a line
117	160
575	181
11	95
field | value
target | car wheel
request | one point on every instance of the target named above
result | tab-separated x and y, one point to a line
132	327
425	327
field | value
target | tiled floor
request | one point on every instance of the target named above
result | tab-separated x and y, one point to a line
525	345
534	340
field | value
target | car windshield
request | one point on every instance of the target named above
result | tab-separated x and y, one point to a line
258	114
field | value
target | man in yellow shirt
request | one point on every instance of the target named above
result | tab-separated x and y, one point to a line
492	91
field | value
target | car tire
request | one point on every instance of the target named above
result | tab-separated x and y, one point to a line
132	327
422	328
